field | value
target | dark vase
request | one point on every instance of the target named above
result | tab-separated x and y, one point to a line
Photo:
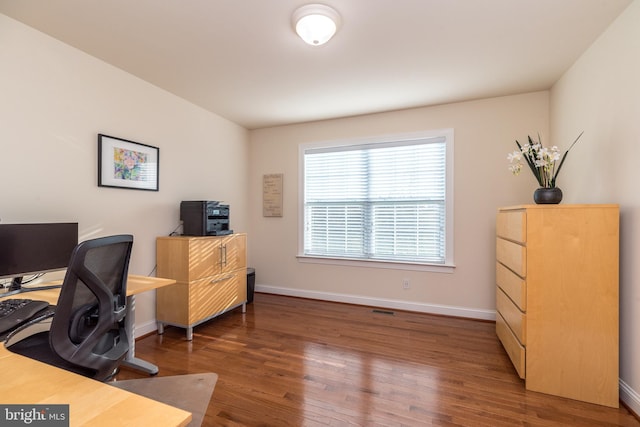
547	196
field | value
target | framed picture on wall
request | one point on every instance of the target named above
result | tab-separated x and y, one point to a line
127	164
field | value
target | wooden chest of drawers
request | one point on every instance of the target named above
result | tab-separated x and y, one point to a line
211	275
557	298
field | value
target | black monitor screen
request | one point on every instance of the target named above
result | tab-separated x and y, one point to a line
36	248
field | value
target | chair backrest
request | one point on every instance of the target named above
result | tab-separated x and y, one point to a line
88	327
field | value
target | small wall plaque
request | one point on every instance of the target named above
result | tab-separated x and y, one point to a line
272	195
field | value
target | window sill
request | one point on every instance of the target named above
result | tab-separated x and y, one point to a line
389	265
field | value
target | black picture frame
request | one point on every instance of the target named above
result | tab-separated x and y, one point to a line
127	164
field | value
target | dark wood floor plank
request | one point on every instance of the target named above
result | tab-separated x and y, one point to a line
297	362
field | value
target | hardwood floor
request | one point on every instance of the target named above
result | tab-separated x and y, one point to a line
298	362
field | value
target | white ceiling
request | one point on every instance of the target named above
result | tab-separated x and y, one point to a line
242	60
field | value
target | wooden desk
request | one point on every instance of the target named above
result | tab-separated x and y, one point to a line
28	381
135	285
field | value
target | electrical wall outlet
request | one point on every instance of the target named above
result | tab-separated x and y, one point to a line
405	284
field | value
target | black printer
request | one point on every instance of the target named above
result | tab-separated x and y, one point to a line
204	218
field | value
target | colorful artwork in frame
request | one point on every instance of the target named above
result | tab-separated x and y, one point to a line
127	164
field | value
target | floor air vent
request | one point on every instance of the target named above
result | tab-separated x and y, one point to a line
389	312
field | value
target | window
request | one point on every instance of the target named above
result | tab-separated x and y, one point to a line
385	200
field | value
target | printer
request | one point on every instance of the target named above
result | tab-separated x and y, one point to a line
204	218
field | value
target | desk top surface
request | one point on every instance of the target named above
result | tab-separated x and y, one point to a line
27	381
135	285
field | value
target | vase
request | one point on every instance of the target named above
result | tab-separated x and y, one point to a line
547	196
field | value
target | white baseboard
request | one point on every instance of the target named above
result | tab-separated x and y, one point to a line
382	303
630	397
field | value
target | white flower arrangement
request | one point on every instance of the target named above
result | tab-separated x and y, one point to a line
541	160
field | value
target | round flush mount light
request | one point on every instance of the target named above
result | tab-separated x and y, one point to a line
316	23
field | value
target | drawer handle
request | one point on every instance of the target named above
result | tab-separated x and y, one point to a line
223	255
221	279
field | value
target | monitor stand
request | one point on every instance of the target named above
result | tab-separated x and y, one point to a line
16	287
16	284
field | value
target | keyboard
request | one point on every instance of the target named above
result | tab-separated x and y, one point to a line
16	311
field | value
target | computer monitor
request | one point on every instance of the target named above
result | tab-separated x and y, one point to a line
27	249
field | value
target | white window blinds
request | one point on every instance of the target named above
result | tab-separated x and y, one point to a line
381	201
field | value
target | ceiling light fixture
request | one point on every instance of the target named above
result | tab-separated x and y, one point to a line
316	23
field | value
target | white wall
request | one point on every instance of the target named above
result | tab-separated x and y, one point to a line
484	130
600	94
56	99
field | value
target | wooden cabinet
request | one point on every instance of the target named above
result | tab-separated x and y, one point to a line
211	275
557	298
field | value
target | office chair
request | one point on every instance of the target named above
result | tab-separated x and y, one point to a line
87	334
